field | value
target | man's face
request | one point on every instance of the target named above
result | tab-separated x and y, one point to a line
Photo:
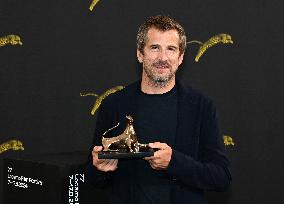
161	56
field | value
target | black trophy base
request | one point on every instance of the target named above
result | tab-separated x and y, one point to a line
124	154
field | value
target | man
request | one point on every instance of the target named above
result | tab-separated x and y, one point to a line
179	122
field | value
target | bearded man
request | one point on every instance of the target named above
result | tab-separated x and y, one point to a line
179	122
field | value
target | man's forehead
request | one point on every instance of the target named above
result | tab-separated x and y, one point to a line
157	30
155	34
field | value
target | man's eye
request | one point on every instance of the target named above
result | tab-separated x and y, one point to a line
172	49
154	47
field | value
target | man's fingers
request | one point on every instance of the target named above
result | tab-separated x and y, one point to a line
103	164
157	154
97	148
155	145
108	165
161	157
114	164
154	164
158	145
153	167
95	151
149	158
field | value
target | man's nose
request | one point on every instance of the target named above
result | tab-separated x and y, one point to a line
163	55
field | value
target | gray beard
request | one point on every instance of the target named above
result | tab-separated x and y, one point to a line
158	82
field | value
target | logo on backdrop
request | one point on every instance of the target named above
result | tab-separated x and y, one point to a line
10	39
101	97
11	144
228	141
73	188
21	181
220	38
94	2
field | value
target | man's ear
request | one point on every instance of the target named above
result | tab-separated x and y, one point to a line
140	56
180	59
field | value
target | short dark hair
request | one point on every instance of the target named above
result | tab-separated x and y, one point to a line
163	23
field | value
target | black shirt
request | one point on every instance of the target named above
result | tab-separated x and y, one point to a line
155	121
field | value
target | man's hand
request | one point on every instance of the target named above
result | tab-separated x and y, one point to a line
162	157
103	164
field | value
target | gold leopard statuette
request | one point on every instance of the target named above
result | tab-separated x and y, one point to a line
126	141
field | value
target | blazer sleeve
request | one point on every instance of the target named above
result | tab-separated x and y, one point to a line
209	171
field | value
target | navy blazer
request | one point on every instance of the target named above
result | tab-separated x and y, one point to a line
198	160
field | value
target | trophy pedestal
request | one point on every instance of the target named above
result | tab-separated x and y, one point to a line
125	154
